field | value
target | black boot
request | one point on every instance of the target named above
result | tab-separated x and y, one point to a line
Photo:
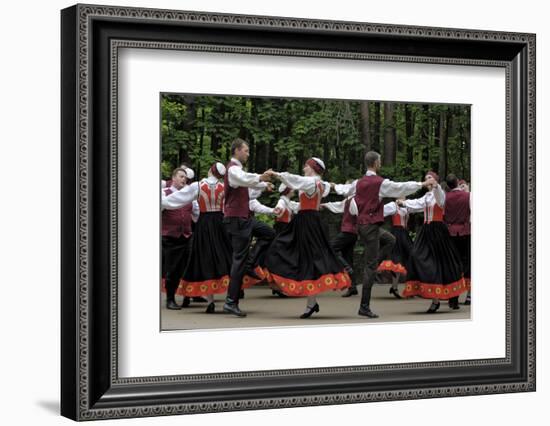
395	292
199	299
352	291
171	304
278	293
366	312
453	303
211	308
186	302
310	311
433	307
233	308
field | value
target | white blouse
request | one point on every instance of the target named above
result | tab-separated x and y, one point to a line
388	188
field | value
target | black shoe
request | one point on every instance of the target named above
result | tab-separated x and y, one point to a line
366	312
186	302
395	292
453	303
468	301
278	293
433	307
171	304
310	311
199	299
233	308
352	291
211	308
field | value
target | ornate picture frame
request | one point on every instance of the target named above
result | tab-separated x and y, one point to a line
90	385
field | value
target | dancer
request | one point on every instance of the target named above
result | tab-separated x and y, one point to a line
344	242
457	219
396	261
287	208
207	271
435	270
369	191
240	227
176	237
301	261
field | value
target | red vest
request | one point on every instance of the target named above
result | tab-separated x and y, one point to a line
311	202
457	212
367	198
211	197
176	223
399	221
285	216
236	199
349	221
433	213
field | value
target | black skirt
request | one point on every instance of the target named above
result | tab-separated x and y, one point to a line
400	254
301	261
434	270
208	270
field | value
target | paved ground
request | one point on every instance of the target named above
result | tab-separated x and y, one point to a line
267	310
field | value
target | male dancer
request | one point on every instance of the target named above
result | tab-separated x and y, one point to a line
457	219
369	191
240	227
176	235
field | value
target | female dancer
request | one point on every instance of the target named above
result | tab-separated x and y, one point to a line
301	261
434	270
399	256
287	208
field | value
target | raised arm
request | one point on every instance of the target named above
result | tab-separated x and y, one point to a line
345	189
180	198
335	206
297	182
238	177
257	207
391	189
416	205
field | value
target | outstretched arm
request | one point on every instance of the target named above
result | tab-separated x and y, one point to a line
303	183
180	198
335	207
257	207
391	189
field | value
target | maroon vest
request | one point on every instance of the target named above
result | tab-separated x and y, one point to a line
176	223
235	199
457	212
349	221
367	198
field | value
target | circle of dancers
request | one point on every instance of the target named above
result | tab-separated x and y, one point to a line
212	243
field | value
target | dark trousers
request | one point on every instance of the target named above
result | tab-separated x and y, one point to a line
343	244
240	232
175	255
376	240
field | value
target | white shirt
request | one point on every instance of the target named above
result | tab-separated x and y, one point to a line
388	188
389	208
307	184
185	195
286	203
255	206
237	177
427	202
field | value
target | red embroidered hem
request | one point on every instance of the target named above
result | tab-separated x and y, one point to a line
468	283
388	265
290	287
434	291
203	288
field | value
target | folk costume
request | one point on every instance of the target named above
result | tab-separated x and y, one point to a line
457	219
434	270
369	191
301	261
395	263
241	228
287	207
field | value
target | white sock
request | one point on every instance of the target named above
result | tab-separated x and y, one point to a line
311	301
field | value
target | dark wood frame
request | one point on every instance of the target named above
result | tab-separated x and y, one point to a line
90	386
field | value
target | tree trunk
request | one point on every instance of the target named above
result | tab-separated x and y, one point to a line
409	131
443	142
375	143
365	126
389	135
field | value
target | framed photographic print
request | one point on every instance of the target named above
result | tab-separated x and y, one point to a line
263	212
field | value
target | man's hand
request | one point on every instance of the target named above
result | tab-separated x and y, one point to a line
277	211
265	177
269	187
332	185
429	181
400	203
